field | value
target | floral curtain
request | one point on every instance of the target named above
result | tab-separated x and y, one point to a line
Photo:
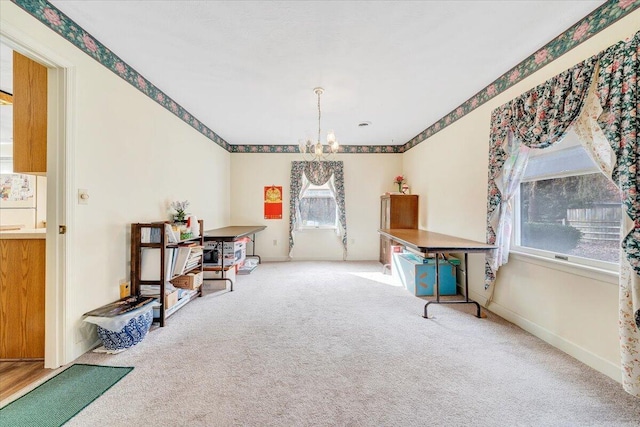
608	128
617	91
536	119
317	173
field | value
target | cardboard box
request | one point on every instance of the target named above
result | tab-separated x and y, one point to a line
232	252
228	274
418	274
170	299
188	281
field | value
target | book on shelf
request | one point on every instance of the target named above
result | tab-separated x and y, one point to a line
172	237
182	257
149	290
150	235
150	263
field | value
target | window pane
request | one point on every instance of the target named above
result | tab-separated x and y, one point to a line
571	161
318	208
576	215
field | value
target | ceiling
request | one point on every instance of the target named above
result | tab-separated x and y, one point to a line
247	69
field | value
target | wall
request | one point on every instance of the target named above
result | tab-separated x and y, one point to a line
366	176
134	158
576	312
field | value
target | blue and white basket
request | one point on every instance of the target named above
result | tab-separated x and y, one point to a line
131	334
123	331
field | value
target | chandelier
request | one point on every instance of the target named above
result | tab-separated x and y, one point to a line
315	150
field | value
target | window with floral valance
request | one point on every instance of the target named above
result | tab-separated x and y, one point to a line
598	98
317	173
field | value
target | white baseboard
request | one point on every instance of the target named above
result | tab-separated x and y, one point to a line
585	356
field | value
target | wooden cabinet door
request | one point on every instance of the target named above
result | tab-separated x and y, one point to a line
22	293
404	211
29	116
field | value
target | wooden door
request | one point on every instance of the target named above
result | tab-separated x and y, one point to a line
22	293
29	116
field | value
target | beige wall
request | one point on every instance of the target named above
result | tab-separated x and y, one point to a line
366	176
577	312
134	158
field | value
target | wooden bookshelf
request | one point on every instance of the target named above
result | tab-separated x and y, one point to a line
145	237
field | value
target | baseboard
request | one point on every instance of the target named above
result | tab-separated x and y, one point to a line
585	356
274	259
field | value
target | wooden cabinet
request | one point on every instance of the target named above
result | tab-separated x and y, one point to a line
396	211
153	258
29	116
22	293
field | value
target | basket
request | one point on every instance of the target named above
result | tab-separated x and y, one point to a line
188	281
131	334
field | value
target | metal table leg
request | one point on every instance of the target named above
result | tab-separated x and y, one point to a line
466	289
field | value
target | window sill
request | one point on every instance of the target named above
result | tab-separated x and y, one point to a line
589	272
316	228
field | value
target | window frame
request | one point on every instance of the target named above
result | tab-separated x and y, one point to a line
334	227
588	267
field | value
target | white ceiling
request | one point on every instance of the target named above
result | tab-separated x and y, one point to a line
247	69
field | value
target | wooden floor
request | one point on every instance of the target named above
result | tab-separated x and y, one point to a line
14	376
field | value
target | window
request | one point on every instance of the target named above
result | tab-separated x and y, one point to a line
567	209
318	207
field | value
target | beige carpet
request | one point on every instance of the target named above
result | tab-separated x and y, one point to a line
332	344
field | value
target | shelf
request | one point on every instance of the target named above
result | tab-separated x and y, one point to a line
217	267
157	268
181	302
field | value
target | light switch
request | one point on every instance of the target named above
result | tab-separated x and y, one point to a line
83	197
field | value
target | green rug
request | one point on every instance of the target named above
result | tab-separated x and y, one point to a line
57	400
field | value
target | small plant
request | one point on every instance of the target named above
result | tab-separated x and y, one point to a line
181	210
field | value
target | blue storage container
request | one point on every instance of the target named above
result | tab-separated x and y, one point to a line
418	275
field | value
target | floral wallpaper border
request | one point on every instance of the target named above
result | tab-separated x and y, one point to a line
599	19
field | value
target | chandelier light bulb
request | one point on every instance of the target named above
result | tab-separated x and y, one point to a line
331	138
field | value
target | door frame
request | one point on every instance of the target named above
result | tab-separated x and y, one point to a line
59	341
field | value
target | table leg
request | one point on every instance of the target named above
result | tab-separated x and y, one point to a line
466	289
253	248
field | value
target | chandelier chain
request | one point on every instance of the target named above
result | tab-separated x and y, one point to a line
315	149
319	115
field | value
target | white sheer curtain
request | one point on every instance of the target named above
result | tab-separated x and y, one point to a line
340	231
508	181
305	186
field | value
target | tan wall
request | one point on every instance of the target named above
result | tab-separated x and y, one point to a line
366	176
577	312
134	158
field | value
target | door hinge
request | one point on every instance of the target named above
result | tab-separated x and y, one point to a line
62	229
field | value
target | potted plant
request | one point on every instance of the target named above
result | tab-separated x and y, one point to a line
180	208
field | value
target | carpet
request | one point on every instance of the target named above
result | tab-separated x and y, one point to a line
57	400
323	344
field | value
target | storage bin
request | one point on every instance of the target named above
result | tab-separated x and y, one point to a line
188	281
417	274
170	298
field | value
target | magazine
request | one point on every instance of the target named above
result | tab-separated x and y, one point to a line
121	306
